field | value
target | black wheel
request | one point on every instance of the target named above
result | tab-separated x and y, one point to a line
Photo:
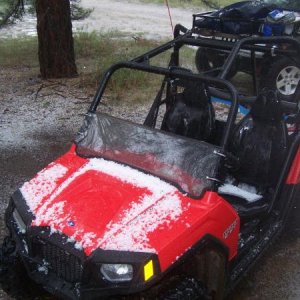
187	289
175	287
13	275
207	59
283	76
201	277
292	225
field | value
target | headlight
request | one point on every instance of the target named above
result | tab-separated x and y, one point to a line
117	272
19	221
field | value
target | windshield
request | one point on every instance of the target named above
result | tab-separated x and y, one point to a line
285	4
189	164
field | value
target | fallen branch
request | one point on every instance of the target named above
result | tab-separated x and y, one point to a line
61	95
39	89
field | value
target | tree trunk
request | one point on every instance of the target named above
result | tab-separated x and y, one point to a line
56	47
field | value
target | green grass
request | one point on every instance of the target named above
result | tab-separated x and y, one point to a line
109	48
94	52
19	52
3	6
97	52
98	49
3	9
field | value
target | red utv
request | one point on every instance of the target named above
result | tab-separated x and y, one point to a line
179	207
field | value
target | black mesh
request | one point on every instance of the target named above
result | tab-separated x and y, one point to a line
184	162
62	263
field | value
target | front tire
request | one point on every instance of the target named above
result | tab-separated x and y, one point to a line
201	277
12	272
13	275
187	289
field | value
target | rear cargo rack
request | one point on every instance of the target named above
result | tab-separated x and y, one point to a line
218	28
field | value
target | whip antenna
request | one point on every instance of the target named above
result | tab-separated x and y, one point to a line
170	16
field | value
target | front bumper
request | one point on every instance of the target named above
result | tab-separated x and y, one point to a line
52	261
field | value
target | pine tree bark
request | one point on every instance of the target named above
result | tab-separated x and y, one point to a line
56	46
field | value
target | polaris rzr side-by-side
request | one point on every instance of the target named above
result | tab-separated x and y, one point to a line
253	18
177	207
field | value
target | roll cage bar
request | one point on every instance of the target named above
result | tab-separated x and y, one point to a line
218	85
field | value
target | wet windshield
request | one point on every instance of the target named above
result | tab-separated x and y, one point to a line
189	164
285	4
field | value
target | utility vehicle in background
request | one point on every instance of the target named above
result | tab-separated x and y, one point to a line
253	18
177	207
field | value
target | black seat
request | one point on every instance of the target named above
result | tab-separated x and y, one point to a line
260	141
189	113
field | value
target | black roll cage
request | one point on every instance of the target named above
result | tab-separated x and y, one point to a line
218	85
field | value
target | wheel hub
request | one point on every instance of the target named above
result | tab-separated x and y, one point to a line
287	80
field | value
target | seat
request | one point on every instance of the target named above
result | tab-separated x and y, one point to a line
189	113
259	142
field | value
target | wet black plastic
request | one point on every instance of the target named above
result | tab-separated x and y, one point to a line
185	162
190	113
260	142
238	18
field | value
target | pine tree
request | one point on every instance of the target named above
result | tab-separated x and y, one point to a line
56	47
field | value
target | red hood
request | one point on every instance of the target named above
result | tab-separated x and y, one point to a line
102	204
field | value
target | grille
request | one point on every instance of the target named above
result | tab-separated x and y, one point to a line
61	262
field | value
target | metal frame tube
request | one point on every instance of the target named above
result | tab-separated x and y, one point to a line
179	74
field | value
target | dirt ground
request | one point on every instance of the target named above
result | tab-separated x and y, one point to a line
128	17
38	120
148	20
